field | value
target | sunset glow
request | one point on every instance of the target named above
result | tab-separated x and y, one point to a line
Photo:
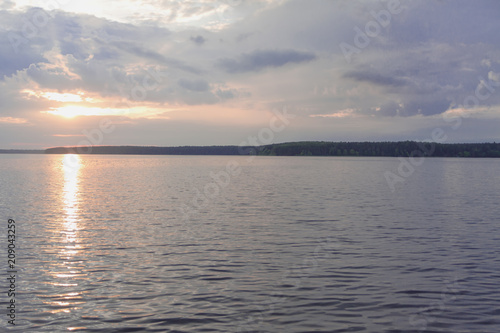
72	111
66	97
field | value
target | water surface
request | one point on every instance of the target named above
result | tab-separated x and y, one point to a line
279	244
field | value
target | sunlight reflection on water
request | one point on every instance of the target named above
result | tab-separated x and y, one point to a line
68	269
71	166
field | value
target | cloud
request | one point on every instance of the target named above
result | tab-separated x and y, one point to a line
260	59
225	94
198	39
376	78
7	4
194	85
145	53
12	62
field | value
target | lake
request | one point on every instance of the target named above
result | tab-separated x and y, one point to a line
241	244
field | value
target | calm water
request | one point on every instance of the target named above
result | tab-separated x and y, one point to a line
281	244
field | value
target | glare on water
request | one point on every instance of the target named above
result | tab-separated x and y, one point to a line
68	268
71	169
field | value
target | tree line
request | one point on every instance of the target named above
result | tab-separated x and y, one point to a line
306	148
392	149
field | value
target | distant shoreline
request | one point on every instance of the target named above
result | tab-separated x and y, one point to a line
305	148
22	151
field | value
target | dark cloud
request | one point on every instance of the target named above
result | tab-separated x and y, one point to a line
194	85
56	78
200	40
426	107
407	108
243	36
11	62
448	21
427	79
376	78
225	94
143	52
260	59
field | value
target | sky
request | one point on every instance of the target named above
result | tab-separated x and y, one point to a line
229	72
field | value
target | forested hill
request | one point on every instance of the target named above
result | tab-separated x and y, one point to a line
313	148
395	149
21	151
